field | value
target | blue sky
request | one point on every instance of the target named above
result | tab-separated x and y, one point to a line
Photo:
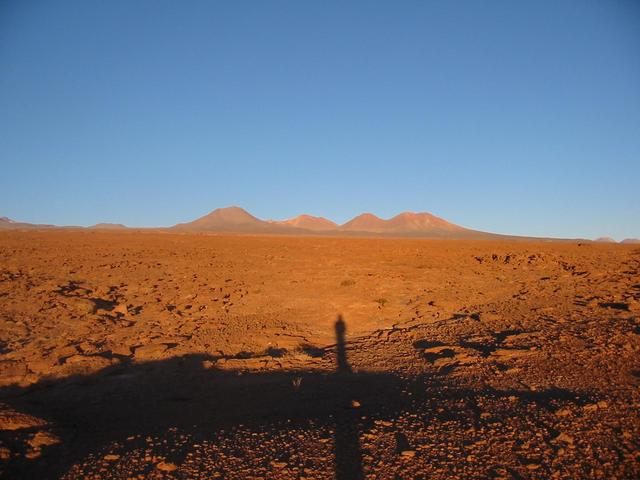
511	117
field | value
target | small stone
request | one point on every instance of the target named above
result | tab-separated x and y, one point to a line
208	364
355	404
5	454
166	467
82	306
563	437
121	309
43	439
32	454
275	464
122	350
150	351
40	365
408	453
12	369
111	457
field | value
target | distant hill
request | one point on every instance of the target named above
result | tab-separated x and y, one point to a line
233	220
109	226
605	240
366	222
421	222
404	223
223	219
7	224
631	240
309	222
410	224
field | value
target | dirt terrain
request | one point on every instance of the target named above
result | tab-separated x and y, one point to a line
131	355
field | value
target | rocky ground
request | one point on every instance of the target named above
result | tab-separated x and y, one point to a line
153	355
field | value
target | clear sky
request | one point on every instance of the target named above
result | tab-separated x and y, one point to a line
510	117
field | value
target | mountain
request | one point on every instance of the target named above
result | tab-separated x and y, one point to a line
411	224
366	222
631	240
7	224
234	220
223	219
605	240
421	222
309	222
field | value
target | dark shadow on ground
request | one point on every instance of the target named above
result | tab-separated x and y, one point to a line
89	412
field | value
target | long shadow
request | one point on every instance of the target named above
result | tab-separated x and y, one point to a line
347	453
90	412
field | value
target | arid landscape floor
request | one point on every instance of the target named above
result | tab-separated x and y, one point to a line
154	355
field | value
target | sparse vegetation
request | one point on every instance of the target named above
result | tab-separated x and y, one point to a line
347	283
381	301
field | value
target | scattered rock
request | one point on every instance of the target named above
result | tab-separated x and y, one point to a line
208	364
121	309
13	420
563	437
12	371
166	467
39	440
5	454
150	351
81	306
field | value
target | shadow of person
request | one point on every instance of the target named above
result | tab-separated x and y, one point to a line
90	413
347	453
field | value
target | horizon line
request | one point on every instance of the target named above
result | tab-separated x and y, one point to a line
117	225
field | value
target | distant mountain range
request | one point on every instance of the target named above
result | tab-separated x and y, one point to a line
8	224
237	220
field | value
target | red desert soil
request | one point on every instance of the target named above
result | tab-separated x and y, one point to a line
160	355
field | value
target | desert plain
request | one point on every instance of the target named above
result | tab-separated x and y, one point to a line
133	354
